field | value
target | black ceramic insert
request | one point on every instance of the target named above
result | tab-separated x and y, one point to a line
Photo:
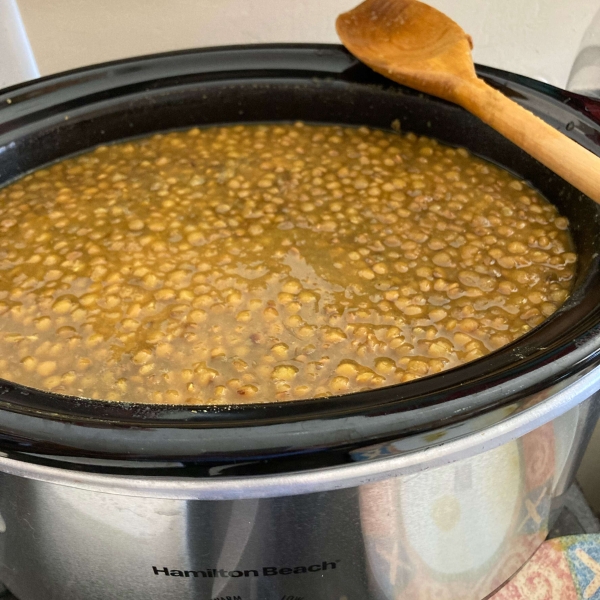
54	117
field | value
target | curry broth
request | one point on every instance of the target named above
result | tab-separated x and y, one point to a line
263	263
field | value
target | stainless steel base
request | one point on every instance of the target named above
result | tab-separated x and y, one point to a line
575	518
456	531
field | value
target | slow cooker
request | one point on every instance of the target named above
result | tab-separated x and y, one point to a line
437	488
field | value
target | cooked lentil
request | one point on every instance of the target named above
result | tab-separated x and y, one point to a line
268	262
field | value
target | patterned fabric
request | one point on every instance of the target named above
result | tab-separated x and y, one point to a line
566	568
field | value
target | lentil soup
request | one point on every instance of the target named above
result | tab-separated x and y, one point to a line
263	263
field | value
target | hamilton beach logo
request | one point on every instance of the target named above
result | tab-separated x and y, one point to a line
262	572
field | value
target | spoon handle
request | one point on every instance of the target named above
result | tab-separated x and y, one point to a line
567	158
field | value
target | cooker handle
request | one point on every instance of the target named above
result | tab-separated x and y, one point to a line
591	106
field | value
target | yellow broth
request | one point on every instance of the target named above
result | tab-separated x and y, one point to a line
269	263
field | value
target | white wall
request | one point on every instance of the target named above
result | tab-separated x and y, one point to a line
16	58
538	38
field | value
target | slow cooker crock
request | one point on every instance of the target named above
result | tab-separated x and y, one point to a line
336	484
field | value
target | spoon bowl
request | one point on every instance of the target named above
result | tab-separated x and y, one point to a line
411	41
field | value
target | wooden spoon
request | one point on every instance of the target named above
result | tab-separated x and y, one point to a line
418	46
